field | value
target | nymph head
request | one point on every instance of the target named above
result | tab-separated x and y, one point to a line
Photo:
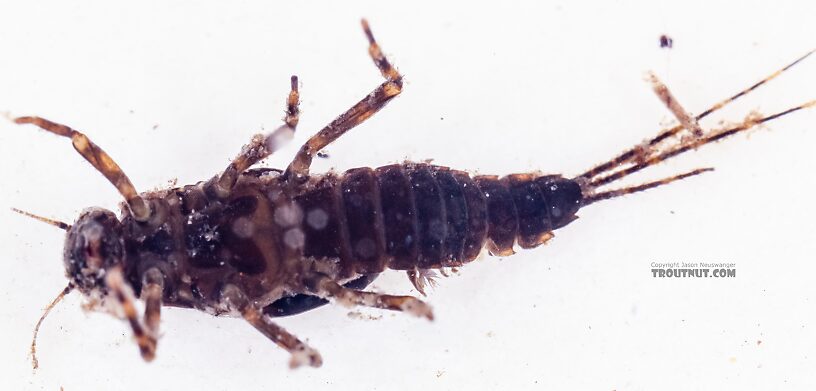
93	246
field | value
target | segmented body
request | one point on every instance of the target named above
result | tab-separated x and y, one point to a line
418	216
262	243
349	226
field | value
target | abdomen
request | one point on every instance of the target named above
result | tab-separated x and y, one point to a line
407	216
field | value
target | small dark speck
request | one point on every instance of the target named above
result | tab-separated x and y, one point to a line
441	118
131	111
671	211
666	42
324	155
155	126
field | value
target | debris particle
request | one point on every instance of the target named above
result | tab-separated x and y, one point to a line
666	42
361	316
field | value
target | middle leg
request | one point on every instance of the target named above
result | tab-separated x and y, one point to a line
261	146
300	351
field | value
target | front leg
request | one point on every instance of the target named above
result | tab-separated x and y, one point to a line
152	293
145	331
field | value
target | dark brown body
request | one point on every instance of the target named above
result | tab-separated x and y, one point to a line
403	217
259	243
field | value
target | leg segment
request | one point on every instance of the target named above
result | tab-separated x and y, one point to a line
152	293
302	302
301	353
327	288
144	332
100	160
686	120
373	102
262	146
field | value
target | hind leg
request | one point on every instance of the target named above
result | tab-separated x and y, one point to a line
327	288
302	302
298	170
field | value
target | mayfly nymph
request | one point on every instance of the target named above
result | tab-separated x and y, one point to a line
259	243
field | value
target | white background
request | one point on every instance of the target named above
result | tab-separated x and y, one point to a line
556	86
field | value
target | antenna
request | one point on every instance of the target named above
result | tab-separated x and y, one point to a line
56	223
